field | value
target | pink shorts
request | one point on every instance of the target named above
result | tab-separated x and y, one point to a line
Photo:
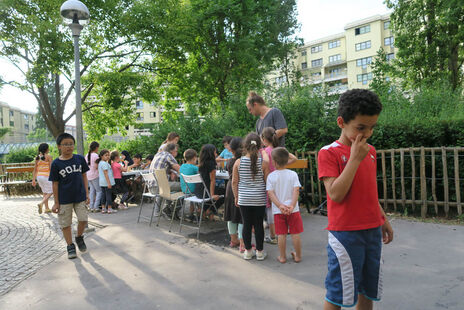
288	224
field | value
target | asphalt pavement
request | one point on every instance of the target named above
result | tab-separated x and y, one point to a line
130	265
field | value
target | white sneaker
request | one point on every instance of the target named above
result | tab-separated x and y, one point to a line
249	254
261	255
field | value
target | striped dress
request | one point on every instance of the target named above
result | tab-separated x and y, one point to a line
251	192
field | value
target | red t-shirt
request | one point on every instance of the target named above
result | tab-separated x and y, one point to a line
360	208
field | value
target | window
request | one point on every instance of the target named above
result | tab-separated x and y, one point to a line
25	117
304	65
386	25
316	49
335	72
316	63
363	62
11	123
364	78
335	58
390	56
140	116
11	113
315	74
139	104
363	45
26	126
303	53
362	30
334	44
152	114
388	41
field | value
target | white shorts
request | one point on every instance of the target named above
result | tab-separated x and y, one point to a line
45	184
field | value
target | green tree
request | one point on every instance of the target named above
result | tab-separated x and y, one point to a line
39	135
429	36
4	131
213	49
37	43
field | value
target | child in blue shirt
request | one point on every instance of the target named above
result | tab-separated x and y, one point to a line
70	189
226	154
189	168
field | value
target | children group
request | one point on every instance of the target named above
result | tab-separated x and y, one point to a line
260	186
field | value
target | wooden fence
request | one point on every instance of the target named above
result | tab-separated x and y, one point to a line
429	178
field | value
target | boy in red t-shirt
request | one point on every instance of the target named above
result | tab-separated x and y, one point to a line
357	222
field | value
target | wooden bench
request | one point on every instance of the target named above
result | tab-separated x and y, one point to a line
301	164
16	176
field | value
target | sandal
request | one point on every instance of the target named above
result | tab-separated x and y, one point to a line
242	249
234	245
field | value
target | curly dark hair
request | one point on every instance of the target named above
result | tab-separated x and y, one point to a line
358	102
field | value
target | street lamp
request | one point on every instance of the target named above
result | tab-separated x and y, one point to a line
74	11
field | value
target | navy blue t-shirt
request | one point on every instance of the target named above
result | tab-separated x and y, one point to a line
68	173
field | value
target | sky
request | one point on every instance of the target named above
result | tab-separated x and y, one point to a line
318	18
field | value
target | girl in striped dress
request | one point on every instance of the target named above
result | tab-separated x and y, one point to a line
249	186
41	172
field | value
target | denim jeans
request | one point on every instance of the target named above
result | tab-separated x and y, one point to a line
95	194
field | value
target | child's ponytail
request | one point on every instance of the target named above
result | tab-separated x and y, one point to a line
269	134
43	148
252	146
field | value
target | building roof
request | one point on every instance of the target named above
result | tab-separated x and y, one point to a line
4	104
367	20
325	39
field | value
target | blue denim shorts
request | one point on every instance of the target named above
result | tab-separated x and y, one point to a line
354	266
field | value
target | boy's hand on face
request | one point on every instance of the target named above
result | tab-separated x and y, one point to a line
359	148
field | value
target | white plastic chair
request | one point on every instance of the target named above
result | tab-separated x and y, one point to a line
195	179
149	191
166	194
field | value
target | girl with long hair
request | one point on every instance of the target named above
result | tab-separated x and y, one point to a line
106	181
207	170
41	172
249	186
92	176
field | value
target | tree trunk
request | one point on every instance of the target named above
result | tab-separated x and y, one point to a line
54	122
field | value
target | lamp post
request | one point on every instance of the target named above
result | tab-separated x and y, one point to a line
75	11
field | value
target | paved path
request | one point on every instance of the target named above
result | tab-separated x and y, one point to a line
133	266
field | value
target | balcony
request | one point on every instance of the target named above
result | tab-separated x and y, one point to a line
335	63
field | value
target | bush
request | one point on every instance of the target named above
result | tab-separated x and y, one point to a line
24	155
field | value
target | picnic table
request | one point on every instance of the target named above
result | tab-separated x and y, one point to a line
135	172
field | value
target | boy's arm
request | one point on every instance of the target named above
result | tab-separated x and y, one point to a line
86	186
273	197
387	230
56	206
338	187
295	195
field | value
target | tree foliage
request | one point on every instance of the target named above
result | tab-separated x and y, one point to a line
429	36
35	40
212	49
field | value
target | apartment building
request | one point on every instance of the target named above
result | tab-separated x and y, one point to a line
342	61
20	123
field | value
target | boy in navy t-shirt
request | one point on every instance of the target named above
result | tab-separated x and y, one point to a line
70	189
357	222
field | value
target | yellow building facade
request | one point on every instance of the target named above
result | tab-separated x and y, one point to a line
342	61
21	123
